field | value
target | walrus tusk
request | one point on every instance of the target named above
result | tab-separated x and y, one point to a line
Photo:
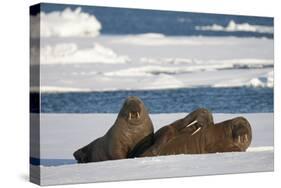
130	116
192	123
196	131
246	138
138	115
239	139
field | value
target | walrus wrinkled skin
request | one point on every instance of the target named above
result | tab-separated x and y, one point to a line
131	127
197	134
228	136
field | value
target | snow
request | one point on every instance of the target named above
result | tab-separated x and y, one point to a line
62	134
232	26
159	167
75	57
67	23
265	80
92	78
158	39
69	53
106	63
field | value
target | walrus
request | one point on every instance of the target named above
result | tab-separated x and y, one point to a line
197	134
229	136
132	126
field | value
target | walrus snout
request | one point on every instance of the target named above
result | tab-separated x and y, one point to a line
133	106
241	133
134	110
196	121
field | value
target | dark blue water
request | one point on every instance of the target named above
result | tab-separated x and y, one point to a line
51	162
218	100
136	21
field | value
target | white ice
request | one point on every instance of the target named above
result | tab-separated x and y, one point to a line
232	26
66	23
62	134
69	53
154	61
75	57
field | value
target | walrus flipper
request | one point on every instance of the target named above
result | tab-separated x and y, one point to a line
81	155
142	146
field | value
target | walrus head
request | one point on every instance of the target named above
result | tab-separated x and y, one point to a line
181	136
231	135
133	110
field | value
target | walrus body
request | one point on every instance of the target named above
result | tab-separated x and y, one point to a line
197	133
131	127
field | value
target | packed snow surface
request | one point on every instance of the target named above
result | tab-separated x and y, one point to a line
153	61
62	134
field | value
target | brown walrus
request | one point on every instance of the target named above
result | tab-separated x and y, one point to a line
228	136
196	134
132	126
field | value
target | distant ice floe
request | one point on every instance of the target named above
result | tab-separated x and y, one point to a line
265	80
165	66
217	64
57	89
151	70
171	76
163	81
66	23
140	76
70	23
63	53
158	39
234	27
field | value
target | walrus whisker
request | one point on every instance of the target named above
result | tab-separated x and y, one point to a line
196	131
192	123
130	116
